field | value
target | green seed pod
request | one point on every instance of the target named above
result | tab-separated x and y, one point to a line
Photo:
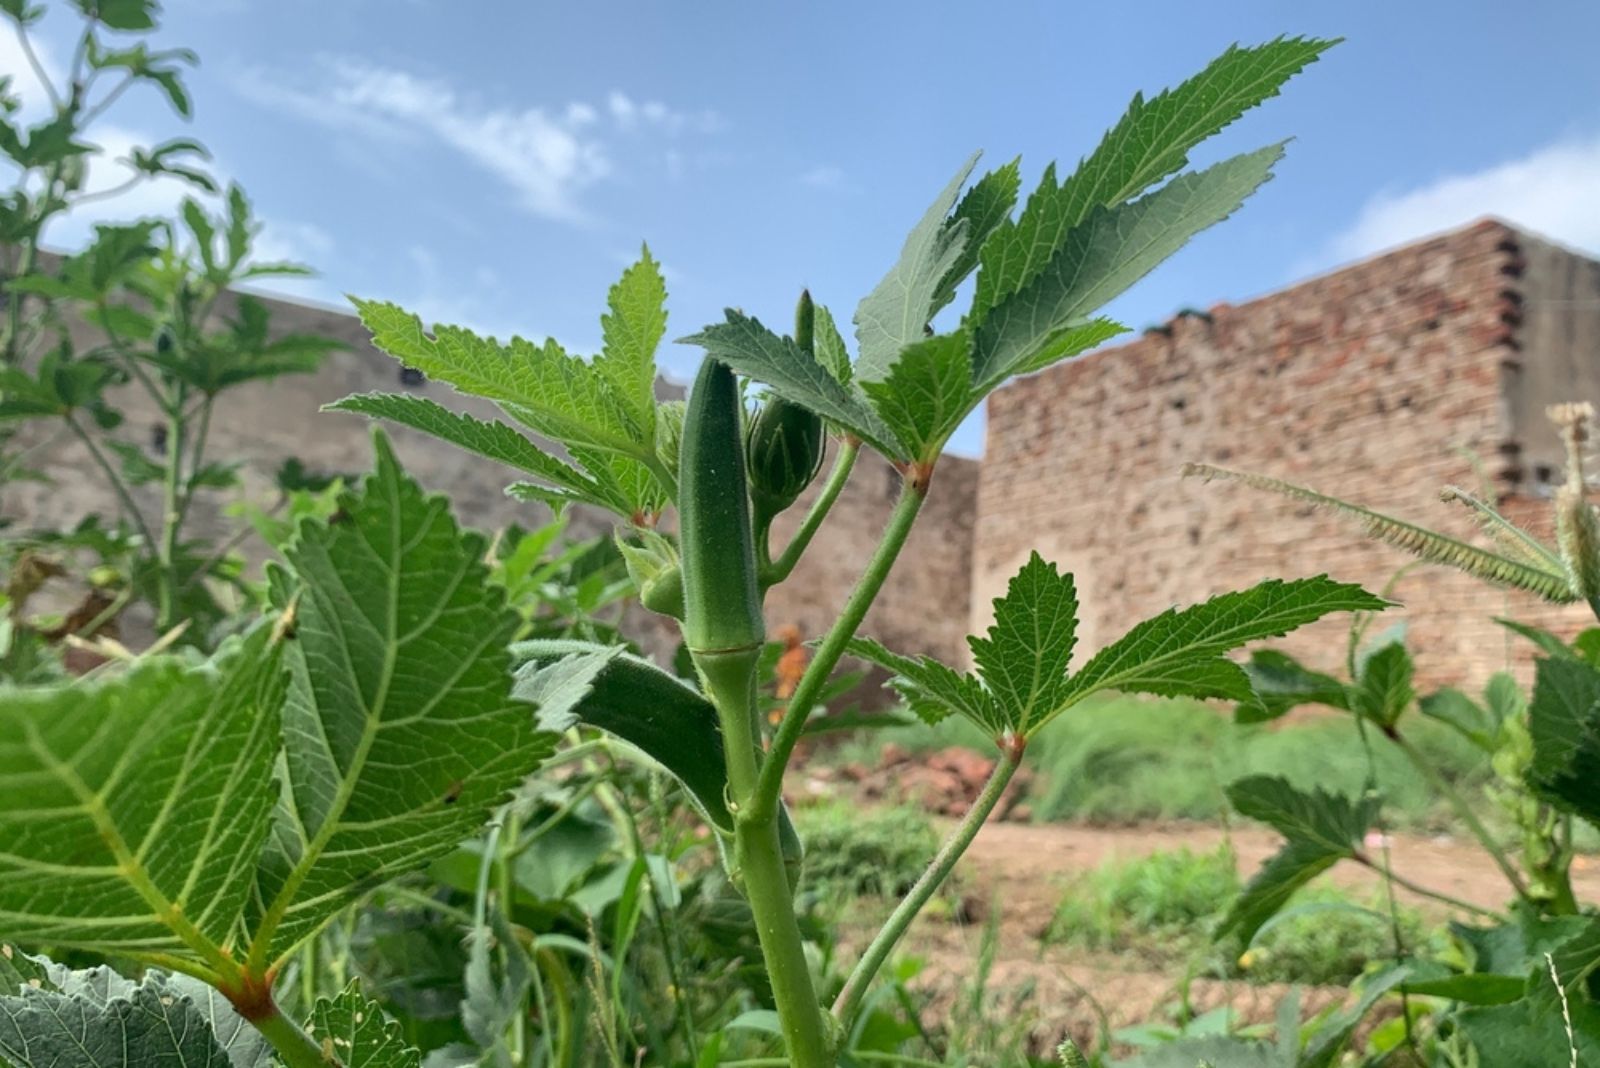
784	453
1578	535
722	603
664	593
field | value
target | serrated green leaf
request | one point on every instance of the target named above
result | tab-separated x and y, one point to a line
756	352
1182	653
631	331
557	395
1151	141
983	209
114	1023
132	810
1105	254
1023	660
355	1030
1462	714
1073	341
19	969
503	443
933	690
897	311
1564	724
1319	829
1384	690
1278	683
927	393
829	347
400	731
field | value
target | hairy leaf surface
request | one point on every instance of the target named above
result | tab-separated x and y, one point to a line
1104	255
631	329
132	810
1319	829
756	352
897	311
1181	653
1564	723
400	731
1023	660
356	1031
927	393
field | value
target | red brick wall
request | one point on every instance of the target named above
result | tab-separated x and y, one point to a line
1363	383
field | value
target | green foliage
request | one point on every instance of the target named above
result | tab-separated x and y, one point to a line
853	853
603	412
1564	724
1319	829
353	1030
1022	681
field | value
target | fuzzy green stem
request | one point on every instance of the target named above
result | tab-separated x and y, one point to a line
758	856
296	1048
770	789
781	568
1389	873
938	870
1464	810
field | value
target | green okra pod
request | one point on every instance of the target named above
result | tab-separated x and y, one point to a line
721	598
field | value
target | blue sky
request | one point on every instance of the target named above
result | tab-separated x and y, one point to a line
497	163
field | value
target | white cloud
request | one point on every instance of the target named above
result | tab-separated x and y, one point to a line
1553	191
547	156
826	176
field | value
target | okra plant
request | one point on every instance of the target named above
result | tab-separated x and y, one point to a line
372	720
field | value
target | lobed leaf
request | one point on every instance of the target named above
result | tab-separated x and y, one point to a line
132	809
400	731
1150	142
631	330
927	393
829	346
985	208
932	690
897	311
1319	828
1182	653
756	352
1105	254
1023	660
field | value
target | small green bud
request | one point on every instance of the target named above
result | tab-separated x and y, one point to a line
784	452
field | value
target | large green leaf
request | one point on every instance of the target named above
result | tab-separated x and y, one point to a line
132	809
1555	1015
985	208
1021	683
927	393
1384	689
756	352
1181	653
1150	142
97	1019
558	395
355	1030
1564	723
1105	254
897	311
400	731
560	483
1319	829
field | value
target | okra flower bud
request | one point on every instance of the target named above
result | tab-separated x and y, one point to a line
784	446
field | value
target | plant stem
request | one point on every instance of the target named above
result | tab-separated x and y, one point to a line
938	870
730	680
1464	810
1389	873
171	516
112	477
780	568
770	787
294	1046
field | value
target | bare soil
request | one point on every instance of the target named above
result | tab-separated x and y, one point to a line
1027	867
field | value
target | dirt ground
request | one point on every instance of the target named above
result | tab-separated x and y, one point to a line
1082	992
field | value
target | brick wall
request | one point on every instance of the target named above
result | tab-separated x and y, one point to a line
1364	383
